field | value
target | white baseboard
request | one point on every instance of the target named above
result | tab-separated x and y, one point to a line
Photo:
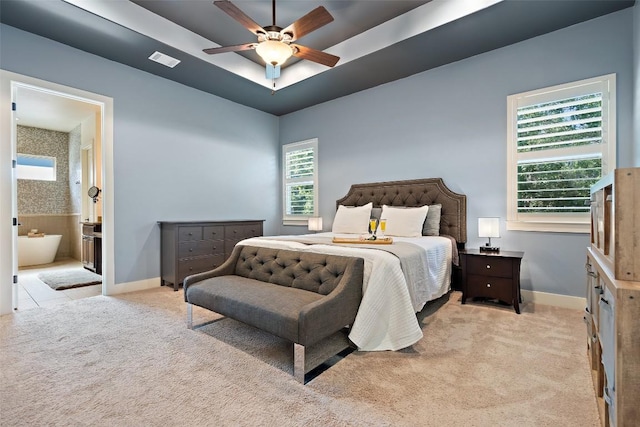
557	300
139	285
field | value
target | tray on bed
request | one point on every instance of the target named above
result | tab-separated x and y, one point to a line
378	241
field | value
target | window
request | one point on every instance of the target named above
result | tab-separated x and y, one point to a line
561	140
300	182
40	168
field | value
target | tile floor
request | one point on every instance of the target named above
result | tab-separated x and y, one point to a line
33	293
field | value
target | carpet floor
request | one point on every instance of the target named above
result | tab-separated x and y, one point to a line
129	360
69	278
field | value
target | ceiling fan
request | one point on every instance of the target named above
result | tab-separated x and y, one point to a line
274	43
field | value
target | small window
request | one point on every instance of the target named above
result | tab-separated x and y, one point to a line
300	182
561	140
40	168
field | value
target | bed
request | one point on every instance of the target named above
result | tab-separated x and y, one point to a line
399	278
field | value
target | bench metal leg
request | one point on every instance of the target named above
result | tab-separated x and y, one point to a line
298	362
189	316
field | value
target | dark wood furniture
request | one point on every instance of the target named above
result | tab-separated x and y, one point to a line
492	275
189	247
92	246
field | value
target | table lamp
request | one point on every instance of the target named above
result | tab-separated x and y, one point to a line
315	223
489	227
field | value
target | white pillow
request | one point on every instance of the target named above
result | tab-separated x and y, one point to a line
352	219
404	222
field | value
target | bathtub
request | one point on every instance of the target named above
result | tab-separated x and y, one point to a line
37	250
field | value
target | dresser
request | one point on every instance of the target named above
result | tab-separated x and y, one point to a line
612	314
491	275
190	247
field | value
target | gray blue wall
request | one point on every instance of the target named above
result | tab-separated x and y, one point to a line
179	153
450	122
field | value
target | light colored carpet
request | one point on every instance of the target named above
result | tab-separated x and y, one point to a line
129	360
69	278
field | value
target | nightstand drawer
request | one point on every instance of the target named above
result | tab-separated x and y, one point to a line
490	266
490	287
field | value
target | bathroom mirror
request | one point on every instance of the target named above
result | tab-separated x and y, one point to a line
93	193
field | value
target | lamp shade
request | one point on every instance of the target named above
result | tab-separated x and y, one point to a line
274	52
488	227
315	223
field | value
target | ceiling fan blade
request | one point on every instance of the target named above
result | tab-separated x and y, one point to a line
236	48
315	55
313	20
233	11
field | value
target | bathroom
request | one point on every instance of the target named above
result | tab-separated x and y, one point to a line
58	162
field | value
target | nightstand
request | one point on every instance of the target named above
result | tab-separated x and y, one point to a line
493	275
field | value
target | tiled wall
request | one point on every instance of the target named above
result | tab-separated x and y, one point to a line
52	207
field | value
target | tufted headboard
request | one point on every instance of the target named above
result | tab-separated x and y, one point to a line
413	193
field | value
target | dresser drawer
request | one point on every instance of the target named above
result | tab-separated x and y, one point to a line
488	266
190	266
189	233
490	287
214	232
244	231
194	248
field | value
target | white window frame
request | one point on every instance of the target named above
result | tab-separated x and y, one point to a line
558	222
287	148
36	173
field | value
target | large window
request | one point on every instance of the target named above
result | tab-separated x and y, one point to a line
561	140
39	168
300	165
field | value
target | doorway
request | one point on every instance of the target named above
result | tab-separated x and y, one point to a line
56	141
96	142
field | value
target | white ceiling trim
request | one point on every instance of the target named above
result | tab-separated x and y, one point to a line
419	20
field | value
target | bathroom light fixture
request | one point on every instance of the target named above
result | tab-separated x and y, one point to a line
489	227
315	223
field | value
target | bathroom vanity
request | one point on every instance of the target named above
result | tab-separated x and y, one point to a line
92	246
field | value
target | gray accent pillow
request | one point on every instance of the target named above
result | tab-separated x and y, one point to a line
375	213
431	225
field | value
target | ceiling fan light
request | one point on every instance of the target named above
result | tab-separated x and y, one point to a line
274	52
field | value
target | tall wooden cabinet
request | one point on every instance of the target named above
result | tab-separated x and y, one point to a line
613	296
190	247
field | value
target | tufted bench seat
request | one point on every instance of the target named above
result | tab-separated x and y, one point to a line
299	296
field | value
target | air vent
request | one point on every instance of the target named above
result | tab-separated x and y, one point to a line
164	59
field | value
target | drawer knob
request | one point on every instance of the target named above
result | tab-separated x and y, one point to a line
488	285
214	248
190	234
190	249
488	266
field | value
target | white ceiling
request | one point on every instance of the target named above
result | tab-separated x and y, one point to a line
47	110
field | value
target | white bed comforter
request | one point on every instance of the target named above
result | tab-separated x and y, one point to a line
386	318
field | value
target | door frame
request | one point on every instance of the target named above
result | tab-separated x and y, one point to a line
9	83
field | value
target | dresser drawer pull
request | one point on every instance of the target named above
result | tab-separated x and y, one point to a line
488	266
190	249
190	234
599	289
488	285
604	301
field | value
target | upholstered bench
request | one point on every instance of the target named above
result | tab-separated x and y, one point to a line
299	296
